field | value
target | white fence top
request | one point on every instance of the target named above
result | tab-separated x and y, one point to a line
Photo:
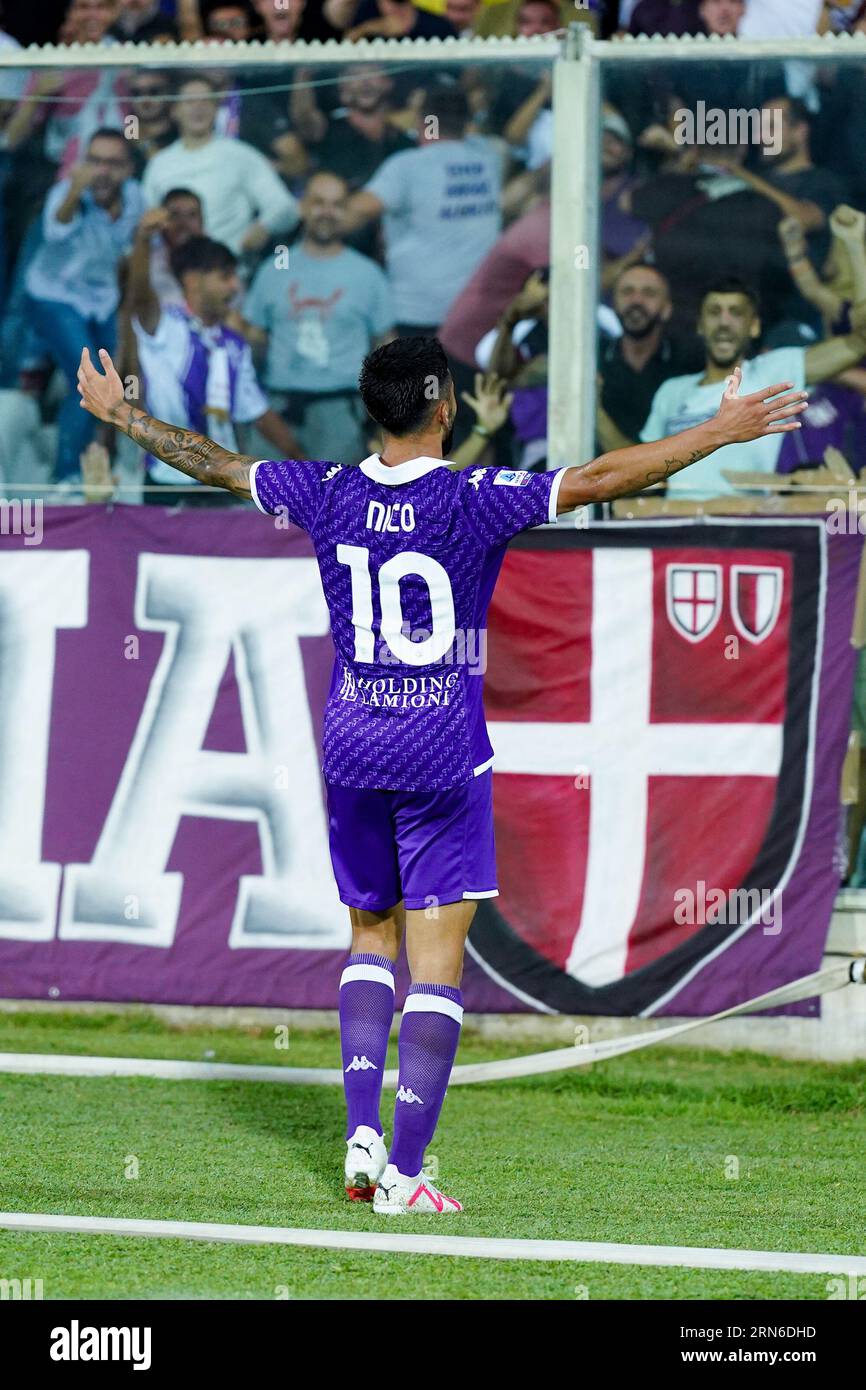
576	41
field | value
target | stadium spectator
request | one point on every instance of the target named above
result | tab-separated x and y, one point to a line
516	352
317	318
530	130
441	211
228	22
143	21
356	137
722	17
148	92
623	238
515	86
535	17
66	107
798	188
666	17
196	371
526	18
244	199
281	20
313	23
531	126
835	419
730	326
390	19
464	15
91	21
784	19
178	220
632	367
709	218
265	117
789	181
845	269
72	286
524	247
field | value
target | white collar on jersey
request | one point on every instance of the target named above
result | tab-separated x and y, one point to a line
407	472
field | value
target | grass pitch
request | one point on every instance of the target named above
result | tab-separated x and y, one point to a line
660	1147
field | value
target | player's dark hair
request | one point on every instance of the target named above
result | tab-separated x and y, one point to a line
733	284
402	383
180	193
201	253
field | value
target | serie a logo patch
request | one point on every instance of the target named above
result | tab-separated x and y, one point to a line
512	477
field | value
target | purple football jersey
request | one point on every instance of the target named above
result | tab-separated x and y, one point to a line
408	557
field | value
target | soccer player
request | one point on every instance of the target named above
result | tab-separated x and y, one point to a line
409	552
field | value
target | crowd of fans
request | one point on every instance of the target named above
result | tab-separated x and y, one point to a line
168	21
240	236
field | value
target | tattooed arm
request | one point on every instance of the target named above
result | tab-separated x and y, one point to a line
191	453
739	419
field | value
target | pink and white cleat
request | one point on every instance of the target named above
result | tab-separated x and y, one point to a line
399	1195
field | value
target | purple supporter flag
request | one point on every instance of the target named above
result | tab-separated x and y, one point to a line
162	819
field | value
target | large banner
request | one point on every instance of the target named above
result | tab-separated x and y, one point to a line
669	705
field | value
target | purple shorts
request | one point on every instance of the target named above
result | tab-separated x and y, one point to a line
424	847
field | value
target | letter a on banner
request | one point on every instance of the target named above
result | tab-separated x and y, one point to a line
255	610
40	593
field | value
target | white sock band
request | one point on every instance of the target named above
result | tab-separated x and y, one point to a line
433	1004
367	972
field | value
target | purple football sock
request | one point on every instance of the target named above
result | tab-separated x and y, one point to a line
366	1014
429	1034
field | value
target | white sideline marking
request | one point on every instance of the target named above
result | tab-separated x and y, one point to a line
476	1247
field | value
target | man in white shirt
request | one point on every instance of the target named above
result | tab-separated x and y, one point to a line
245	201
781	19
195	369
730	326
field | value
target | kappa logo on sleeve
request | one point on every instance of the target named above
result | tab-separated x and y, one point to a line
511	477
332	472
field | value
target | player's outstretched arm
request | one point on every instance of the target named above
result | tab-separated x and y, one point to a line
199	457
740	418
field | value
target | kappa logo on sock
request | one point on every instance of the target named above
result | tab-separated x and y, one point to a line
407	1094
361	1064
